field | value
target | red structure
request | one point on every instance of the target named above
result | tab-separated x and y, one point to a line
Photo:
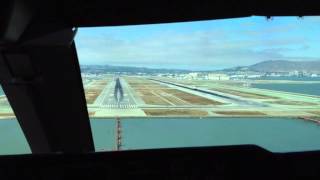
118	135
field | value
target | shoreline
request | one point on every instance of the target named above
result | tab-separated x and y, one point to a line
192	117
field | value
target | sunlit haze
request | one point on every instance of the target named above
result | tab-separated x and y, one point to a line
202	45
191	84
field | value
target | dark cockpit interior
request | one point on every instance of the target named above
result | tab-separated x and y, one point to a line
41	78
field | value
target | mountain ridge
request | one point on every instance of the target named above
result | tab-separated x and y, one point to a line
280	66
131	69
286	66
263	67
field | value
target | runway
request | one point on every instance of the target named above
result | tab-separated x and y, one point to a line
116	95
140	97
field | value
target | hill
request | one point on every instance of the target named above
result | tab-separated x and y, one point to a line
286	66
126	69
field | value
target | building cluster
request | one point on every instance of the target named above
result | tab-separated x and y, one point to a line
217	76
253	75
196	76
235	75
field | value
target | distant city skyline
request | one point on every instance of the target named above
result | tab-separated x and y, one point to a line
201	45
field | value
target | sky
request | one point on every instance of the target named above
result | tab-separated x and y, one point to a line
202	45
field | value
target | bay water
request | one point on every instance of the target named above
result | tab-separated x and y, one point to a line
274	134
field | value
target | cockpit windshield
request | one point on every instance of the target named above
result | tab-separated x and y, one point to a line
234	81
203	83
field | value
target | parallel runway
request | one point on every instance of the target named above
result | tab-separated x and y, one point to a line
109	98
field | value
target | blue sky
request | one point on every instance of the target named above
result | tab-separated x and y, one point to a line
202	45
